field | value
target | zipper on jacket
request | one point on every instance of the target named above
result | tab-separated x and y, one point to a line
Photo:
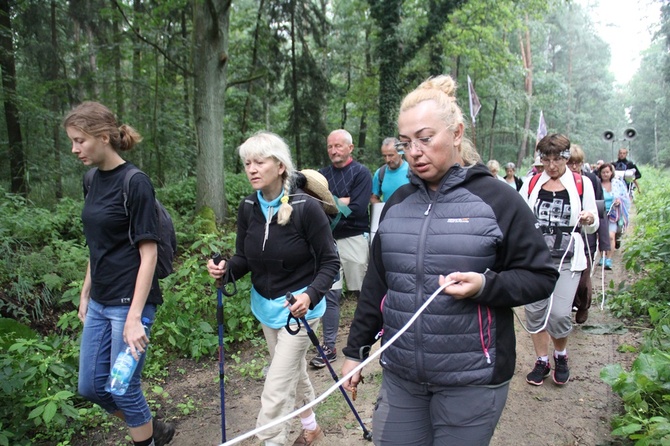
485	344
268	219
418	332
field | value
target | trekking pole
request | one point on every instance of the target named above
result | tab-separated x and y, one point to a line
367	435
220	291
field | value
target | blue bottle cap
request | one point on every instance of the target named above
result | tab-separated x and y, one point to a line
145	320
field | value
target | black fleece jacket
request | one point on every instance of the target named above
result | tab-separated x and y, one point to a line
297	255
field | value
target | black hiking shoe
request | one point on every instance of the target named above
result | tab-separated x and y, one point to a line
163	432
561	369
318	362
542	370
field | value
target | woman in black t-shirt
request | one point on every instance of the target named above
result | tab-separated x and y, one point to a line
120	293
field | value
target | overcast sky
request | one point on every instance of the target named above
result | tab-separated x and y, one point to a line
627	25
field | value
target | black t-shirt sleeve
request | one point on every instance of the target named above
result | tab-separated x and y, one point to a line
142	209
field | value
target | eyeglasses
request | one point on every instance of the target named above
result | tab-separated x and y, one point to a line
554	161
418	144
574	163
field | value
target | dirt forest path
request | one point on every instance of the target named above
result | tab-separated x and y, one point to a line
575	414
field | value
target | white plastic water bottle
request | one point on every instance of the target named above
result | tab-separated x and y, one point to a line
123	369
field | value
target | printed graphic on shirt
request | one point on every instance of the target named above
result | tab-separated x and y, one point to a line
553	212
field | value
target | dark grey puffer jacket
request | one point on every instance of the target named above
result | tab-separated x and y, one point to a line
474	222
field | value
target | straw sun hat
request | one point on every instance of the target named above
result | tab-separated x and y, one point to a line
316	185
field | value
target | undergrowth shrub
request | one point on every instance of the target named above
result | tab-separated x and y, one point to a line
42	252
43	260
645	389
38	385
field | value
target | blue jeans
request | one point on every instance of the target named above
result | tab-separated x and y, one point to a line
101	342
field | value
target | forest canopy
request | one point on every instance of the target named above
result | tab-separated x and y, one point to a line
197	78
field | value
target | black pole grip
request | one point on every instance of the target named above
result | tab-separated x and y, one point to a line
314	339
219	314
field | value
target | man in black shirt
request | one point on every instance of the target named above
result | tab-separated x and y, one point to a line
628	167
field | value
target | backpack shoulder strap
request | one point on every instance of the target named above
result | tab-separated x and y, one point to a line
579	182
382	171
88	178
247	210
126	188
532	182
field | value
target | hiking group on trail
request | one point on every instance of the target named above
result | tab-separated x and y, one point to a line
440	220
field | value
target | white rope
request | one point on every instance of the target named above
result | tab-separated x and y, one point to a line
551	297
602	269
595	258
602	285
346	377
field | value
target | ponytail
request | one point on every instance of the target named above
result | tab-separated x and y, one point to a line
285	209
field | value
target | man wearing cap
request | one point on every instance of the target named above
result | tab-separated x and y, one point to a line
390	176
350	182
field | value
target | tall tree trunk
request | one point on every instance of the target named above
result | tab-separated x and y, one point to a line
391	55
154	124
211	20
527	59
118	77
369	72
568	114
138	80
55	103
344	112
17	157
363	132
656	160
295	122
436	54
185	74
94	90
244	125
387	16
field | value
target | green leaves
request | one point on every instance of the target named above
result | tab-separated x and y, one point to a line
645	389
645	394
38	378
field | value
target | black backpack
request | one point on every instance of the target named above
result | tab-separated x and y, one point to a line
167	243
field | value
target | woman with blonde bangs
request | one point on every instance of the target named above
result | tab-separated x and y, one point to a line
284	240
445	380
